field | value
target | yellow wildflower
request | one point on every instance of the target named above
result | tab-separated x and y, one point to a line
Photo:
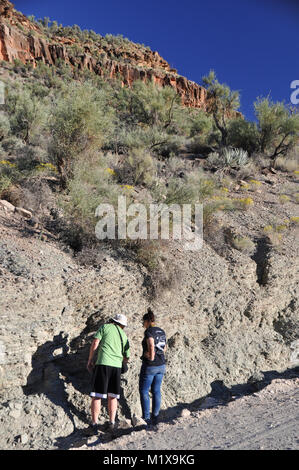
6	162
126	186
46	166
280	228
244	203
284	198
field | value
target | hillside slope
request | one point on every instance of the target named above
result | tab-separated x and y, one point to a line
21	39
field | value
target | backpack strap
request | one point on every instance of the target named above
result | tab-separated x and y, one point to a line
122	344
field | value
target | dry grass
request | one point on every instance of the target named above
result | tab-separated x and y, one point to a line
289	164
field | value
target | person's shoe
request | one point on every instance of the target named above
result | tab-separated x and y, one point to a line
111	427
148	423
155	420
92	430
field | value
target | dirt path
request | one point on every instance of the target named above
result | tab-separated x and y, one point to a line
268	419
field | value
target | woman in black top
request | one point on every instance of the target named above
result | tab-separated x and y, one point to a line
153	367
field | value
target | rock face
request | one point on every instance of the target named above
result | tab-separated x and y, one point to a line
222	327
23	40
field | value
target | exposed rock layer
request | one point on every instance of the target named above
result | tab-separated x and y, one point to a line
21	39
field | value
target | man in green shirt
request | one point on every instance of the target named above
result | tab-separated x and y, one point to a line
113	348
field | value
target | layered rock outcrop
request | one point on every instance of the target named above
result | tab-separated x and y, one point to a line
23	40
222	324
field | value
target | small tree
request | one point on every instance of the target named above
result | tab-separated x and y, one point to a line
243	134
278	127
46	21
222	103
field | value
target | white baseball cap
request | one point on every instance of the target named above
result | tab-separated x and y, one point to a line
121	319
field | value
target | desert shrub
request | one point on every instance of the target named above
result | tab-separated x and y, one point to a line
249	170
204	136
243	244
79	123
243	134
5	183
278	127
27	114
179	191
274	233
18	66
138	168
201	125
289	162
4	126
194	187
91	184
243	203
254	185
146	103
163	271
11	144
174	166
201	185
9	174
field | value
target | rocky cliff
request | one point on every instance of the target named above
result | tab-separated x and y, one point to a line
24	40
232	316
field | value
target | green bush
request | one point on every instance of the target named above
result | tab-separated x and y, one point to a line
138	168
90	185
79	124
5	183
27	114
179	191
4	126
278	127
244	135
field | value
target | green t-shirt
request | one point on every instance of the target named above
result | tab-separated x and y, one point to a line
110	349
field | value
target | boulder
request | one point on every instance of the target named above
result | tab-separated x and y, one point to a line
7	206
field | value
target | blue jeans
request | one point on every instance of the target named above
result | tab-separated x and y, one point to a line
150	378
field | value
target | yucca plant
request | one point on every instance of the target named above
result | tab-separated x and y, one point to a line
234	157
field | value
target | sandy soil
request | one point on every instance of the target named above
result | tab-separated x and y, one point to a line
268	419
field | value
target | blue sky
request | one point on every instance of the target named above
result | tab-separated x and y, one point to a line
251	44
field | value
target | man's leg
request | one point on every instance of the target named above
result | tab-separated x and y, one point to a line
112	408
95	409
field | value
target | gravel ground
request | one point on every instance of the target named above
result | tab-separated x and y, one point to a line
264	420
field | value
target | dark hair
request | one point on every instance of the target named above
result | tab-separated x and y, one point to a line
149	316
